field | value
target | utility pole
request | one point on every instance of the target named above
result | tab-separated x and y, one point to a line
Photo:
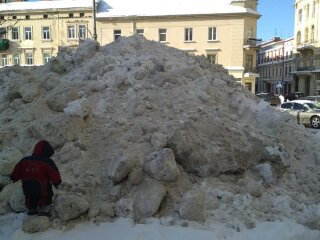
94	21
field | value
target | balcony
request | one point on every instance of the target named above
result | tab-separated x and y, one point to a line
251	43
306	46
305	68
4	44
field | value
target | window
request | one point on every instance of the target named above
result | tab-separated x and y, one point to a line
249	63
71	32
212	58
14	17
70	15
27	33
307	11
4	60
188	34
1	17
3	33
116	34
212	34
313	8
28	17
140	31
82	31
162	35
16	59
312	34
46	33
306	35
45	16
15	33
46	57
298	38
29	59
81	14
300	15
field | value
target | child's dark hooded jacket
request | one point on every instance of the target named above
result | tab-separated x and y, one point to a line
37	172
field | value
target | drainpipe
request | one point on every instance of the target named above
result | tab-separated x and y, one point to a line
94	20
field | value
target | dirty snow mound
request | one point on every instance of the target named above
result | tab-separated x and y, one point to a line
141	130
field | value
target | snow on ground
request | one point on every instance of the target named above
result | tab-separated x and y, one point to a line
142	130
125	229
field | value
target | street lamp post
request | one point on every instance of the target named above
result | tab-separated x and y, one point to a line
94	21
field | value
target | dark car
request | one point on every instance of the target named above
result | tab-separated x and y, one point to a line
273	99
294	96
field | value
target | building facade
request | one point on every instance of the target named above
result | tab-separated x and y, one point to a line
31	35
307	47
275	63
222	30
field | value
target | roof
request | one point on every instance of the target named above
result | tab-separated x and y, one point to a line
42	5
130	8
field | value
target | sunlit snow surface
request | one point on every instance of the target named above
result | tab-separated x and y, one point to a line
125	229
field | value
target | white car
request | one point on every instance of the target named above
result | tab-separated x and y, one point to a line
306	112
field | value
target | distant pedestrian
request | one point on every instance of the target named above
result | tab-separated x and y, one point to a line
38	172
281	98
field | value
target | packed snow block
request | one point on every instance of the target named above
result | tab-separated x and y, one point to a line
310	216
69	207
69	152
103	209
29	91
266	172
136	175
9	157
124	207
17	200
147	198
159	141
202	148
5	196
161	165
64	62
17	103
193	206
12	93
58	129
33	224
4	180
58	99
50	81
80	107
86	50
120	167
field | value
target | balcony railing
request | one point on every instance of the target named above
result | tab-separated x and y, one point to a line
252	42
305	68
249	69
4	44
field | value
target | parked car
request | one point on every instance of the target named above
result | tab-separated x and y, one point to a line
306	111
314	99
294	96
273	99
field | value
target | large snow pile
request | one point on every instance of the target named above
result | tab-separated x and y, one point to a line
141	130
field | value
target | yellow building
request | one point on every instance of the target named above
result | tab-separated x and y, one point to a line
222	30
307	45
31	32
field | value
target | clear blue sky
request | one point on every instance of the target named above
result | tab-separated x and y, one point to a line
277	19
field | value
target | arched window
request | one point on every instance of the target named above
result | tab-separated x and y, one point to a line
299	38
312	34
306	35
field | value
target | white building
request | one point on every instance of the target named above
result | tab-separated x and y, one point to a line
275	63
